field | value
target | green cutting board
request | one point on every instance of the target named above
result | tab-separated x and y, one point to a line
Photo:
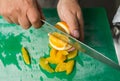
97	35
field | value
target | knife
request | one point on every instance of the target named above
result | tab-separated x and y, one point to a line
81	46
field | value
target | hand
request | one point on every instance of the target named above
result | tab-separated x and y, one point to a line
22	12
70	12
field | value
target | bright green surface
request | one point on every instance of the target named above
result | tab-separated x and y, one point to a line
97	35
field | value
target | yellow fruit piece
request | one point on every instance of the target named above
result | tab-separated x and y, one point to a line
25	56
72	54
60	57
64	52
69	66
59	41
52	57
51	60
56	56
53	52
60	67
44	65
63	27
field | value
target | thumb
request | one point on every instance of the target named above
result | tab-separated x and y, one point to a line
73	24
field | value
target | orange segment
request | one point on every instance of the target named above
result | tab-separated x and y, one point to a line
44	65
63	27
69	66
72	54
60	57
59	41
25	55
57	56
52	58
53	52
60	67
64	52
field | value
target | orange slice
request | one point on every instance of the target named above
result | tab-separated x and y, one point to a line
65	66
60	67
63	27
60	57
44	65
25	55
69	66
59	41
57	56
72	54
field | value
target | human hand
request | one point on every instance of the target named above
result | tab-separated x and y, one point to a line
22	12
70	12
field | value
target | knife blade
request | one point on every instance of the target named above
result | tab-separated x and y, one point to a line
82	47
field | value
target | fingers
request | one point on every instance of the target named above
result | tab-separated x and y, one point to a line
14	19
11	18
73	24
81	25
24	13
8	19
40	11
24	21
76	26
41	14
34	17
31	16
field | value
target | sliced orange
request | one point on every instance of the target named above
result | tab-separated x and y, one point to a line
59	41
64	52
60	67
69	66
65	66
72	54
53	52
25	55
44	65
60	57
63	27
52	58
56	56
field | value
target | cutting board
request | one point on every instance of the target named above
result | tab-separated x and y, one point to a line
97	36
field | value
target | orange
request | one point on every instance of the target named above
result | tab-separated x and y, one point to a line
59	41
44	65
72	54
65	66
52	57
53	52
60	67
60	57
69	66
25	55
57	56
63	27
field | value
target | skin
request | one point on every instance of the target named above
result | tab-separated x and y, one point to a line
22	12
72	16
28	13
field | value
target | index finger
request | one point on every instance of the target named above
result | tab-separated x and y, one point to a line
34	17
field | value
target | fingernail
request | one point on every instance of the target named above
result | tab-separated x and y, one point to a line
76	33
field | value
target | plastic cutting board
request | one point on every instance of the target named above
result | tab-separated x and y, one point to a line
97	35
